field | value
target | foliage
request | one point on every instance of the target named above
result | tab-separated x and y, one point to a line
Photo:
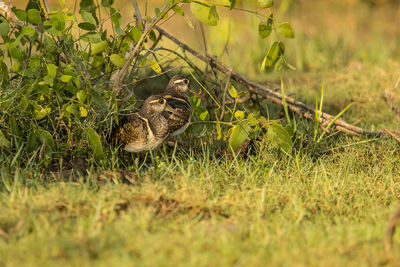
56	101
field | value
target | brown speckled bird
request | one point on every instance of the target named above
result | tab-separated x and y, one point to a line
175	94
143	130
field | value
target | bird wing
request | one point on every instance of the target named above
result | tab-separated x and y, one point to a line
132	129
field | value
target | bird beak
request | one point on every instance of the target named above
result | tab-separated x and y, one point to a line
170	109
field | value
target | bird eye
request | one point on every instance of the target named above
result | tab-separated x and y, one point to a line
186	81
161	101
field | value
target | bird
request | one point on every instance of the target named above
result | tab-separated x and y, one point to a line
175	94
145	129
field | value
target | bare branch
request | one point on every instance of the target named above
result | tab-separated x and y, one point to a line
137	12
267	91
46	6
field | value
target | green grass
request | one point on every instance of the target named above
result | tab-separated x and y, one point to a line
197	206
200	210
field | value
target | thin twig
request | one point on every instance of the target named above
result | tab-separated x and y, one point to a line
267	91
228	79
46	6
137	12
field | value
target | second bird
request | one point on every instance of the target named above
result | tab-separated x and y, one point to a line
175	94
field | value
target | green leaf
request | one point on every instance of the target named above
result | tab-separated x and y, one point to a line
116	18
15	52
152	36
31	142
34	62
72	109
178	10
265	27
136	34
14	126
233	3
203	13
87	26
28	31
239	114
117	60
155	66
41	112
232	91
19	13
81	95
95	143
252	119
204	115
280	63
98	47
4	28
195	101
16	66
107	3
51	70
189	22
88	17
213	16
83	112
286	30
281	135
240	133
4	143
65	78
276	49
265	3
47	140
57	22
34	16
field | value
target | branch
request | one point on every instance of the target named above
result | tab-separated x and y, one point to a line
267	91
137	12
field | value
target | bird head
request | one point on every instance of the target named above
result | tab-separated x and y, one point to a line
155	105
179	84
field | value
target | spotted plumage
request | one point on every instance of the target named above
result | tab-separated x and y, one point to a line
143	130
175	94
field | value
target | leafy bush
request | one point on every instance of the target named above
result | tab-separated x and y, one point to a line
55	73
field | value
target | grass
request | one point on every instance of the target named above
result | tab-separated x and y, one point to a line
200	207
200	210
